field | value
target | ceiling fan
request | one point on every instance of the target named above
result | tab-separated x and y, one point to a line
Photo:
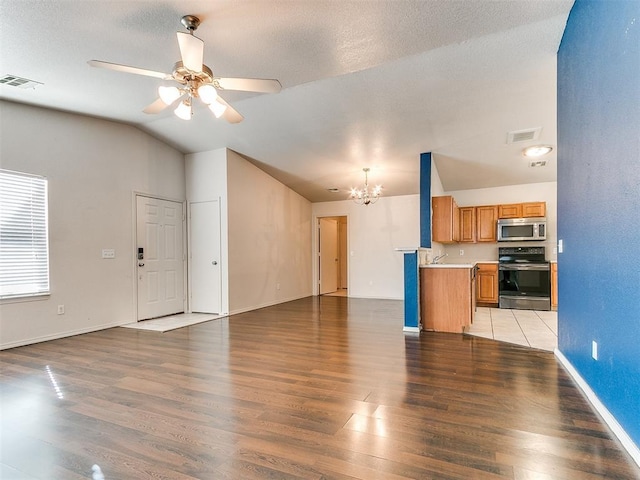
195	80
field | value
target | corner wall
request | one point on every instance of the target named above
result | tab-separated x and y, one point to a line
599	202
269	239
93	167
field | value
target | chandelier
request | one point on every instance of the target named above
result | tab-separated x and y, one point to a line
364	196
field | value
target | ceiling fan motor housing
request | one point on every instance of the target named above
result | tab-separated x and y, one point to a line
190	22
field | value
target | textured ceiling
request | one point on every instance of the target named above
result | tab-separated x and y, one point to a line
365	83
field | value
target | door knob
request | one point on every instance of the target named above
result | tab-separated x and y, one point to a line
214	263
141	264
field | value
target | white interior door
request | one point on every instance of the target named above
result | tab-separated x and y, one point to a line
204	266
328	255
159	235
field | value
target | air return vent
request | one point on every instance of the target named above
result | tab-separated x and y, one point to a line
523	135
19	82
537	163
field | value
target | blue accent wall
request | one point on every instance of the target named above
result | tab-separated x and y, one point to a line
411	290
599	201
425	200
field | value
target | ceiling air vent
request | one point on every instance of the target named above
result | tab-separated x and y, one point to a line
537	163
14	81
523	135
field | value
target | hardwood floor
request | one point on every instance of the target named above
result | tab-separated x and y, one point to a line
319	388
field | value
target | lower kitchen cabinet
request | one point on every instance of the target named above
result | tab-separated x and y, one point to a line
487	284
447	298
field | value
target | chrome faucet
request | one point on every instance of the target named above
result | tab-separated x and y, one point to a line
436	259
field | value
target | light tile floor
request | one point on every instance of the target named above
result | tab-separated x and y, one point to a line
530	328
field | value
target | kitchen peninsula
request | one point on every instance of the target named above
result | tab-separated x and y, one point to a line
447	297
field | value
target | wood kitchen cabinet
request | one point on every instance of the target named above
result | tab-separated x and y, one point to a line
447	298
513	210
519	210
446	220
534	209
467	224
487	284
486	223
554	286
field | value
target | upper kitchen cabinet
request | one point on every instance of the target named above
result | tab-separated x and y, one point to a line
534	209
486	223
519	210
446	220
467	224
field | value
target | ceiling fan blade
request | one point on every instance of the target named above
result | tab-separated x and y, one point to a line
191	50
127	69
231	115
155	107
261	85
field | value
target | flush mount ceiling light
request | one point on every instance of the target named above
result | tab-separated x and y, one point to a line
536	151
364	196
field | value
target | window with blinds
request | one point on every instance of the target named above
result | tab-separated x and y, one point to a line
24	242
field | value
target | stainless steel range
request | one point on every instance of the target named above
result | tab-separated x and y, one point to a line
524	278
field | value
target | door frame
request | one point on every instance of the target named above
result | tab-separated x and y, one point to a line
315	246
134	246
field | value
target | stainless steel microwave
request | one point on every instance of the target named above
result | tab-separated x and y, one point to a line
522	229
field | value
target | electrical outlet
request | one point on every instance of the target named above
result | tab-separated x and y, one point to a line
108	253
60	309
277	286
461	252
594	350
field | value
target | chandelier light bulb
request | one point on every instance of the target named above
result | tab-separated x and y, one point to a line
207	93
168	94
217	108
184	110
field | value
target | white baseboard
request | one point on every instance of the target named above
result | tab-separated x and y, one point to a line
56	336
411	329
606	415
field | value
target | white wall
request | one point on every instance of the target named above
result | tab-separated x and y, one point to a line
374	231
533	192
269	239
436	191
93	167
206	180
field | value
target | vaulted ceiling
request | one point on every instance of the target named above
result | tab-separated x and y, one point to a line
366	83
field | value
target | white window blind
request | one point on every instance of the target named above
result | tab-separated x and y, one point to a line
24	243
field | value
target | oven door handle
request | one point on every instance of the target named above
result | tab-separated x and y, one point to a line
524	267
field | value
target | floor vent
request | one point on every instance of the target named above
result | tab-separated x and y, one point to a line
14	81
523	135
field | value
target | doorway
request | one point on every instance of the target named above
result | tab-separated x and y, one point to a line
332	256
159	257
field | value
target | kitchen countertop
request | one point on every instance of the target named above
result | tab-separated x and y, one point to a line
448	265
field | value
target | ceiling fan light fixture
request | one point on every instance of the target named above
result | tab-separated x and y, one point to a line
537	151
168	94
184	110
217	108
207	93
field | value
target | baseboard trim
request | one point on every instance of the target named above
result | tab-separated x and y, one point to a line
411	329
56	336
606	415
